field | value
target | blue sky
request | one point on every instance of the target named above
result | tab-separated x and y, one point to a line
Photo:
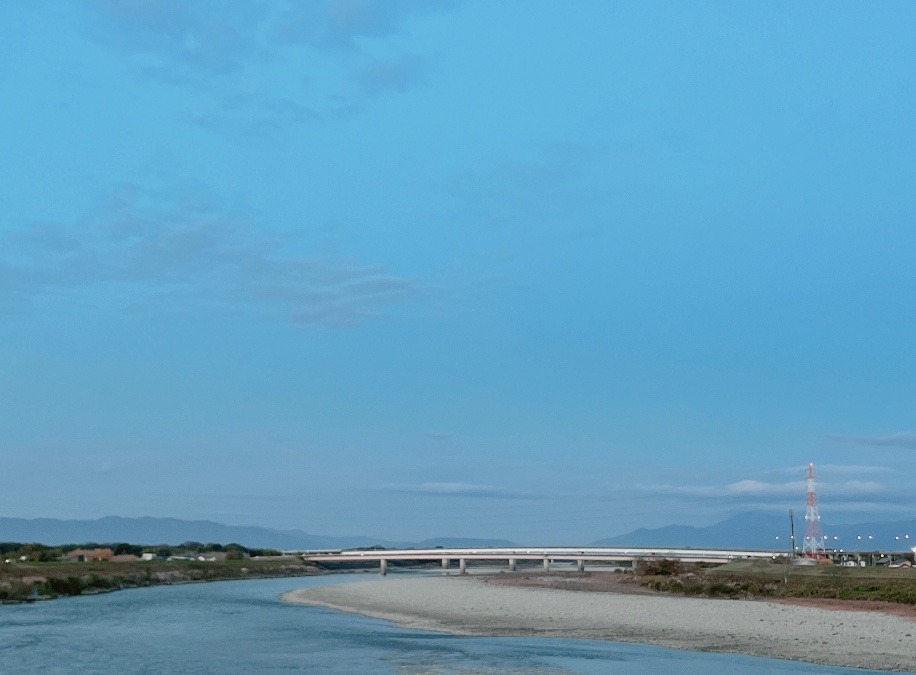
417	268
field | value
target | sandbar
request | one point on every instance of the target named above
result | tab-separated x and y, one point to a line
469	605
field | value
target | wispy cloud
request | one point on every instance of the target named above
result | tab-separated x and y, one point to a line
142	252
838	469
902	439
460	490
174	38
341	28
749	488
230	53
756	487
341	23
391	75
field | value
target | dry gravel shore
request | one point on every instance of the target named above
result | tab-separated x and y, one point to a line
469	605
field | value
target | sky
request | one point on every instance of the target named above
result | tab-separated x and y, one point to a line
531	270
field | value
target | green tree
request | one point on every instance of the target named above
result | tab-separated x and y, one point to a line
38	552
236	552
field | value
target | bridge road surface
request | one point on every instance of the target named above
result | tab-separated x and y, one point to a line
607	555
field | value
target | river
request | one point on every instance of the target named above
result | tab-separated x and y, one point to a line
242	627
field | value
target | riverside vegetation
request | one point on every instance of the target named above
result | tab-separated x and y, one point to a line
742	579
35	572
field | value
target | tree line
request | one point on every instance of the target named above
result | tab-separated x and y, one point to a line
35	552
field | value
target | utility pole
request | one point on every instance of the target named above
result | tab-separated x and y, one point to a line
792	533
790	559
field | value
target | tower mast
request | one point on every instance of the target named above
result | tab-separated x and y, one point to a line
813	544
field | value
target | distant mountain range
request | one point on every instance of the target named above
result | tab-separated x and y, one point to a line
463	542
749	530
150	531
746	530
760	530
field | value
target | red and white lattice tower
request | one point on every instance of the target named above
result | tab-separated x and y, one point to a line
813	545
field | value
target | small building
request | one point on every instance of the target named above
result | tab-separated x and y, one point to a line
89	555
212	556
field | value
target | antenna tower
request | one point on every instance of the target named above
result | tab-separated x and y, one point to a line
813	545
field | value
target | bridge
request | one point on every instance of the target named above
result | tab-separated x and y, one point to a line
546	555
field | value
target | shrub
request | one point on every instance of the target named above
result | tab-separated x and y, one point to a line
64	586
662	567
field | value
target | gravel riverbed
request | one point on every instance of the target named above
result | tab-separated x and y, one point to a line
470	605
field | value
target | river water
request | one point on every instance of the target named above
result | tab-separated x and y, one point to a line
242	627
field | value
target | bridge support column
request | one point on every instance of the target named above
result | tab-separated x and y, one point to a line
511	564
546	564
383	567
462	567
580	565
445	562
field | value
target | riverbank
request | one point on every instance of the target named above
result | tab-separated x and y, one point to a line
472	606
28	582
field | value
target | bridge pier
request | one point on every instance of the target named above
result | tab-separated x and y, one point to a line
580	565
511	564
547	564
462	567
383	567
445	563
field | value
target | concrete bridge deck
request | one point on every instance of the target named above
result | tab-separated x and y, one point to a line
547	555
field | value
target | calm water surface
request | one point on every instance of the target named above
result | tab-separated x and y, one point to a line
242	627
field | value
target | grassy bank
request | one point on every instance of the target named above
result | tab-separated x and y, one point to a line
769	580
26	581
